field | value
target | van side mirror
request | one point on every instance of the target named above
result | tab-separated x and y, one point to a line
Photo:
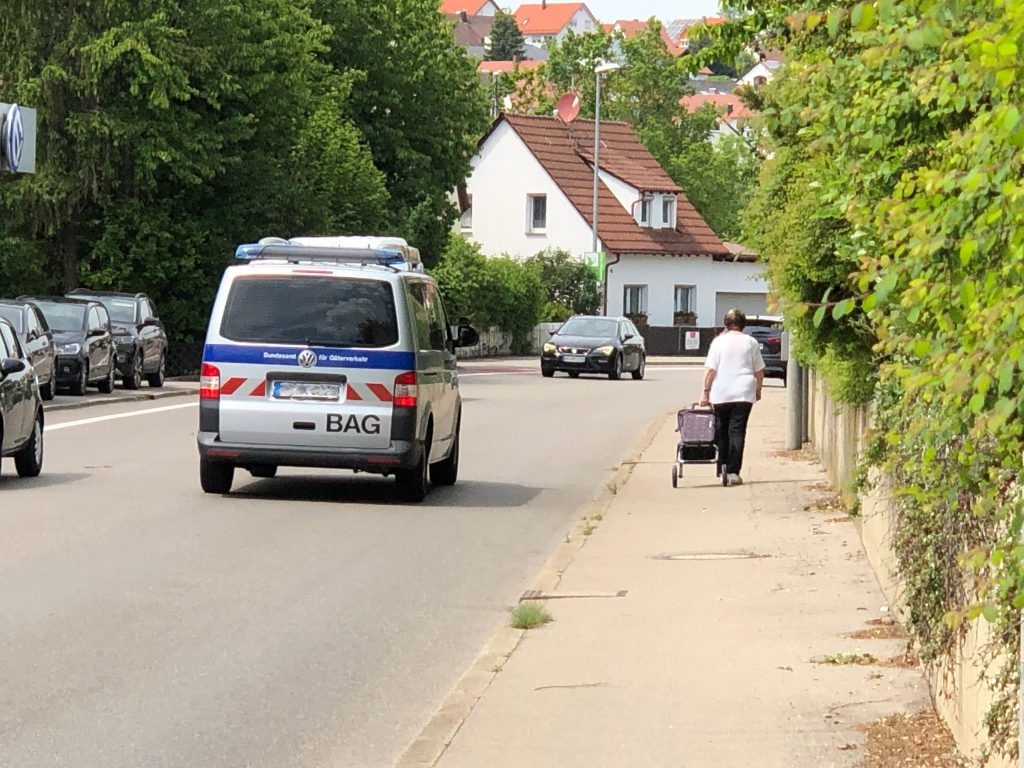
466	335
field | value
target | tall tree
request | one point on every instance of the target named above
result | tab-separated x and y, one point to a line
507	41
418	102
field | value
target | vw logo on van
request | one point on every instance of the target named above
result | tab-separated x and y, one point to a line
307	358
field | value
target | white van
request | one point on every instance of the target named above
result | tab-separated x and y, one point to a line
323	355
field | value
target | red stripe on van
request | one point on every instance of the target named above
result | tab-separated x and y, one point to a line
383	393
260	391
231	386
352	394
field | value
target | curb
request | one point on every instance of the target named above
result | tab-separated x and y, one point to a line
136	398
439	732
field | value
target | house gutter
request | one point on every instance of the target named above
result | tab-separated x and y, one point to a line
607	265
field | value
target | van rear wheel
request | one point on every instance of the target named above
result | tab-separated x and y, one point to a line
446	471
413	483
216	476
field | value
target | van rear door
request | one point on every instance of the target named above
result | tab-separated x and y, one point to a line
308	360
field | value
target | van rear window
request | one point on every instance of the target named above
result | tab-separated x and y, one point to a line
311	310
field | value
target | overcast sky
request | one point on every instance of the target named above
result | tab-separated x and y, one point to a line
666	10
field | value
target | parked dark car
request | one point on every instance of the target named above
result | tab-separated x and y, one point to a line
85	343
36	341
767	329
591	344
139	336
21	407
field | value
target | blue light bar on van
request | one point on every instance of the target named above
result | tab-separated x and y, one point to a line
304	253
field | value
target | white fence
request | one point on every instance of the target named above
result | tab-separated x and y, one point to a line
496	343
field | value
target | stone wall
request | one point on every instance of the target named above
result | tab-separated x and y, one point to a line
959	686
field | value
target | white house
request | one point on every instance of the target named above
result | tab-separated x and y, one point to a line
761	73
531	188
543	22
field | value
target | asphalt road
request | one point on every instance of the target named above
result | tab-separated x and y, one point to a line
308	620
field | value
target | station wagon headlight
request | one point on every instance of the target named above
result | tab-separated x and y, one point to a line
69	349
607	351
549	348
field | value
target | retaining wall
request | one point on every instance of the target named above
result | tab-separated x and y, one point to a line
959	685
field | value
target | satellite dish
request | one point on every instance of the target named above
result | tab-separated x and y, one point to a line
568	108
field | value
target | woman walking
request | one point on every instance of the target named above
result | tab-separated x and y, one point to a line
733	374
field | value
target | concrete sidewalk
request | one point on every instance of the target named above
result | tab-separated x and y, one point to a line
690	627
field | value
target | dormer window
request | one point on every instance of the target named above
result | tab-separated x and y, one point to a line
645	210
668	211
657	211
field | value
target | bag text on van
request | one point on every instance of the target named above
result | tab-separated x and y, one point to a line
368	425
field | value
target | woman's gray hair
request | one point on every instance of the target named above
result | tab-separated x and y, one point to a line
735	318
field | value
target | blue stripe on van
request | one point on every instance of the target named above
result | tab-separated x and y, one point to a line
327	357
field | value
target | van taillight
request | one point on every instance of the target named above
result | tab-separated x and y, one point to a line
209	382
405	390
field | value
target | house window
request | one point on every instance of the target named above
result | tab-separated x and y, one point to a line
684	298
668	211
760	80
645	211
634	300
537	208
466	221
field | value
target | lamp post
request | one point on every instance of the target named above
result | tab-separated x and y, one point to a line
599	70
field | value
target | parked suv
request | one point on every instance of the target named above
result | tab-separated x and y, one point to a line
139	337
36	341
85	346
767	329
21	407
319	355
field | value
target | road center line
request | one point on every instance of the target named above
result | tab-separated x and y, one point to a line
114	416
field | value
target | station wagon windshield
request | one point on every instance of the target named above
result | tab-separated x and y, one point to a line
121	310
601	327
299	310
63	317
13	316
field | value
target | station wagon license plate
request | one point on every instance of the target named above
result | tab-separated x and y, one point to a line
573	359
306	390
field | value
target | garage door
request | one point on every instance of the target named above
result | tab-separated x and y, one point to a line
749	303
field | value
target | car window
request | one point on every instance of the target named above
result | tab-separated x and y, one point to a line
146	310
633	329
420	314
104	318
121	309
12	315
11	346
438	321
39	320
341	312
63	317
94	319
597	327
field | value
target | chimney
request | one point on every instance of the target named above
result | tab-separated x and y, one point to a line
464	16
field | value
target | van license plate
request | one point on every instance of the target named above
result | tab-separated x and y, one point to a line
574	359
306	390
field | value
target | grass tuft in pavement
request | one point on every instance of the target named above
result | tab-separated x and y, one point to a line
529	615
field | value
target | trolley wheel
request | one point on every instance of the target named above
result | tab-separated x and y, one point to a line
675	476
725	476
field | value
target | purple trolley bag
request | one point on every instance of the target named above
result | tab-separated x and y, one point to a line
696	427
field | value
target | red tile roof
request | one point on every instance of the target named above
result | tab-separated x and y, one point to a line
566	153
535	19
472	7
721	102
508	66
633	27
740	252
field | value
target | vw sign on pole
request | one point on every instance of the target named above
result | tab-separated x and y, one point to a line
17	138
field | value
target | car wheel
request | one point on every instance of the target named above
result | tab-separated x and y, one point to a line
675	476
413	483
157	379
82	382
263	471
216	476
547	371
638	374
29	460
446	471
107	385
616	371
133	379
48	392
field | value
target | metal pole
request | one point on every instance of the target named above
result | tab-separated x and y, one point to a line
597	150
794	405
805	405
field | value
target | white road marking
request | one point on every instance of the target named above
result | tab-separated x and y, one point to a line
114	416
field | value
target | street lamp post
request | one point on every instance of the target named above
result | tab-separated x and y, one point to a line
599	70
